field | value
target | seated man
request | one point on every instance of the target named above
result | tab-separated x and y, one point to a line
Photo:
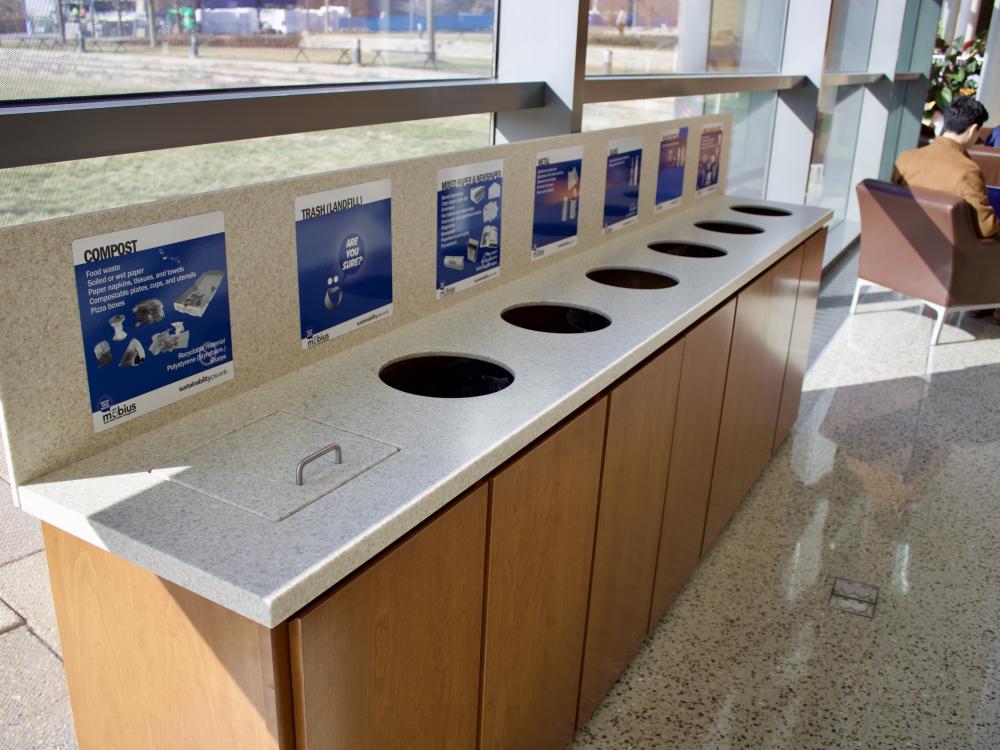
944	164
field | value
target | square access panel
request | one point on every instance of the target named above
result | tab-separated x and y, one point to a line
254	467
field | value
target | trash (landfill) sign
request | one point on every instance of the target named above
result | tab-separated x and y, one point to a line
343	244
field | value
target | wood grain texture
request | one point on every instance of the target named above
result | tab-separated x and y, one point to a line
692	455
769	380
798	349
151	665
542	518
746	358
636	459
757	358
391	658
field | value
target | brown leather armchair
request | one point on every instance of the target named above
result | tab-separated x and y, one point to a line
923	243
988	160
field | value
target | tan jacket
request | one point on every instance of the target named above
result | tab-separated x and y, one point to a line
944	165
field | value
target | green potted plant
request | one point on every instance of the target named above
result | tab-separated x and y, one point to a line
955	71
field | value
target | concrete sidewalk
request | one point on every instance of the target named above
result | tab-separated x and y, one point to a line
34	704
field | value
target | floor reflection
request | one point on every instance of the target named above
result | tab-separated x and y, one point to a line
890	478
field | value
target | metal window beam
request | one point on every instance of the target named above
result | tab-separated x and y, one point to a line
102	126
832	80
625	88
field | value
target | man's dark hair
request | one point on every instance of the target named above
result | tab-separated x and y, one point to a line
963	112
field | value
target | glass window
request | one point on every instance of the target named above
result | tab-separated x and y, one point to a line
753	123
747	35
833	148
220	44
852	23
750	146
620	114
50	190
684	36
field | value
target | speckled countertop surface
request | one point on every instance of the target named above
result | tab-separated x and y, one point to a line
133	500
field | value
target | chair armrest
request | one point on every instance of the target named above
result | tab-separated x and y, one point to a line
909	238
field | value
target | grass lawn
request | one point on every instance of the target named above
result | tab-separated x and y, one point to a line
46	191
50	190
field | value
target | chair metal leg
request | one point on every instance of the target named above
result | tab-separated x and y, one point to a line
858	286
938	324
941	312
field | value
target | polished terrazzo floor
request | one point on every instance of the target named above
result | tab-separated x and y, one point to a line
892	478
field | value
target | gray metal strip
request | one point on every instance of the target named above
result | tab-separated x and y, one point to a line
102	126
831	80
625	88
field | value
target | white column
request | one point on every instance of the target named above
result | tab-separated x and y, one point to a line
890	26
989	84
967	18
949	18
542	41
694	23
795	116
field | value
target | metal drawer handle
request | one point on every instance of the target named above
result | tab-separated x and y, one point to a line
332	447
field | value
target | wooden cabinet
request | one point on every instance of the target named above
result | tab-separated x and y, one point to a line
151	665
757	360
636	457
692	456
501	621
391	657
543	509
798	349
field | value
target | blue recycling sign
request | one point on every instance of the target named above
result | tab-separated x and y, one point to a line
469	203
557	200
343	245
154	313
621	188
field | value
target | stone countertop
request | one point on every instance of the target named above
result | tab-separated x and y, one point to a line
125	501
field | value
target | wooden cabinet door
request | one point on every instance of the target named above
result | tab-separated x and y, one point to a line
757	359
767	403
692	455
798	349
391	658
636	459
543	510
154	666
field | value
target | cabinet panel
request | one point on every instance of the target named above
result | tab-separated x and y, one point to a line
798	350
757	360
636	459
692	455
543	510
746	358
151	665
391	658
781	314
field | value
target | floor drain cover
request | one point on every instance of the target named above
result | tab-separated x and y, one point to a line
854	597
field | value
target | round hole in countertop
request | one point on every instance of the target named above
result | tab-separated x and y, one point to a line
554	318
687	249
631	278
728	227
445	376
746	208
